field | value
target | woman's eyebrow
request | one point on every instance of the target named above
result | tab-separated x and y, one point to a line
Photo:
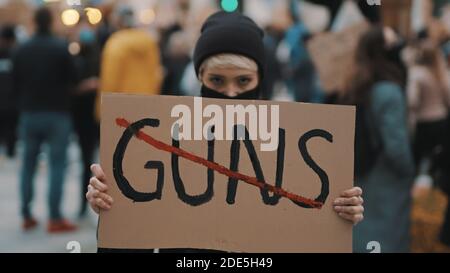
215	75
246	76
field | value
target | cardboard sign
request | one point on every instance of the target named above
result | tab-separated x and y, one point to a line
397	15
333	55
232	195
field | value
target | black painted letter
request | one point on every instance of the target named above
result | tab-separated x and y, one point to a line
119	153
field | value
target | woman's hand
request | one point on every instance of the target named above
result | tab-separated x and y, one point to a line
350	205
97	190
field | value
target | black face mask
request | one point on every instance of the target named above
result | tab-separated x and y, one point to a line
213	94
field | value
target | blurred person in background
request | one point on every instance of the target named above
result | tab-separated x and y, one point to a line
446	48
83	100
8	107
296	64
438	6
43	72
395	45
130	60
167	30
177	59
384	166
106	28
274	34
437	31
445	187
428	99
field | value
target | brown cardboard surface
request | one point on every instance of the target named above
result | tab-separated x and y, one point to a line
333	55
248	225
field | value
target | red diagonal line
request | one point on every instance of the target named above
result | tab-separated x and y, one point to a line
218	168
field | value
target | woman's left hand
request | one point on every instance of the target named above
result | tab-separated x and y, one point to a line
350	205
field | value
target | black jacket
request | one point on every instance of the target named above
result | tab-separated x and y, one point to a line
43	74
6	90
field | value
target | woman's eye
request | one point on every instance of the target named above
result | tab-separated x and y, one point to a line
216	81
244	81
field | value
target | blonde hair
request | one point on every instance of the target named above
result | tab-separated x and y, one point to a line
233	61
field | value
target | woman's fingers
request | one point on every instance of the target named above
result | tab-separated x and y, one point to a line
95	208
98	185
356	191
350	205
106	198
102	204
98	172
98	200
90	193
354	218
91	199
349	209
94	194
352	201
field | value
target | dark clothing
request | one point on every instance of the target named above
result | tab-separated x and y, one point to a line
444	166
387	187
85	124
444	184
43	71
8	128
272	74
395	57
438	6
87	63
445	230
304	82
87	130
104	31
6	80
429	136
54	130
175	70
8	108
166	34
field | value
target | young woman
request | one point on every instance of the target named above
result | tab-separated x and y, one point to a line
384	162
229	62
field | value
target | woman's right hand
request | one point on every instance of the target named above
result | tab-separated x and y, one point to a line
97	190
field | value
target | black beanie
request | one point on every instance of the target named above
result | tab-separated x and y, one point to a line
230	33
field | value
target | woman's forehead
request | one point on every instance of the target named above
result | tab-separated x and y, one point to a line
230	71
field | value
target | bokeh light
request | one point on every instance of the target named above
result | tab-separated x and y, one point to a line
74	48
230	5
147	16
94	15
70	17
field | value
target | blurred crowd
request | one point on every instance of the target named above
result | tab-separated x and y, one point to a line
50	85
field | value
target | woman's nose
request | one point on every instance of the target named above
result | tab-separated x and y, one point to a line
231	90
